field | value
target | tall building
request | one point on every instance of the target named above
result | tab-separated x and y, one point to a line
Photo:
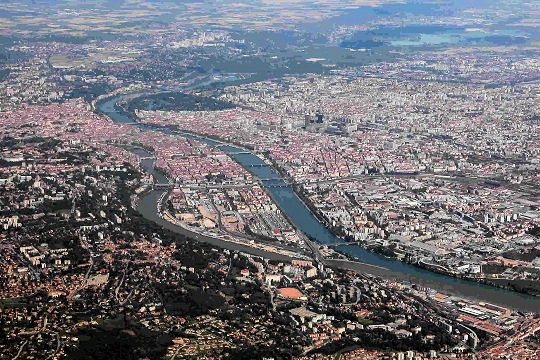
307	120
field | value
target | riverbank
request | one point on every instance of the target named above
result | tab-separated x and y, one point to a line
342	238
162	213
147	207
304	220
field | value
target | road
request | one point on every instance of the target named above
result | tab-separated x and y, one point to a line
119	286
84	244
474	180
20	350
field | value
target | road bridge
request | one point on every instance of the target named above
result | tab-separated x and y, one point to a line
343	243
284	185
163	186
237	153
203	186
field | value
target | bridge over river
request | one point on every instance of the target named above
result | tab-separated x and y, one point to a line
284	195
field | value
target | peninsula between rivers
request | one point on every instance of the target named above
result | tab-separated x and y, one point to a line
222	199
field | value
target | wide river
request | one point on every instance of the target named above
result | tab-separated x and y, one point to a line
305	221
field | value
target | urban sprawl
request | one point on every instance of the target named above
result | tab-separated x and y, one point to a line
431	158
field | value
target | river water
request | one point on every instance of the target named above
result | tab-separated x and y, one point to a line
309	225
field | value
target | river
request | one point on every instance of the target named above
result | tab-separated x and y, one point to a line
304	220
